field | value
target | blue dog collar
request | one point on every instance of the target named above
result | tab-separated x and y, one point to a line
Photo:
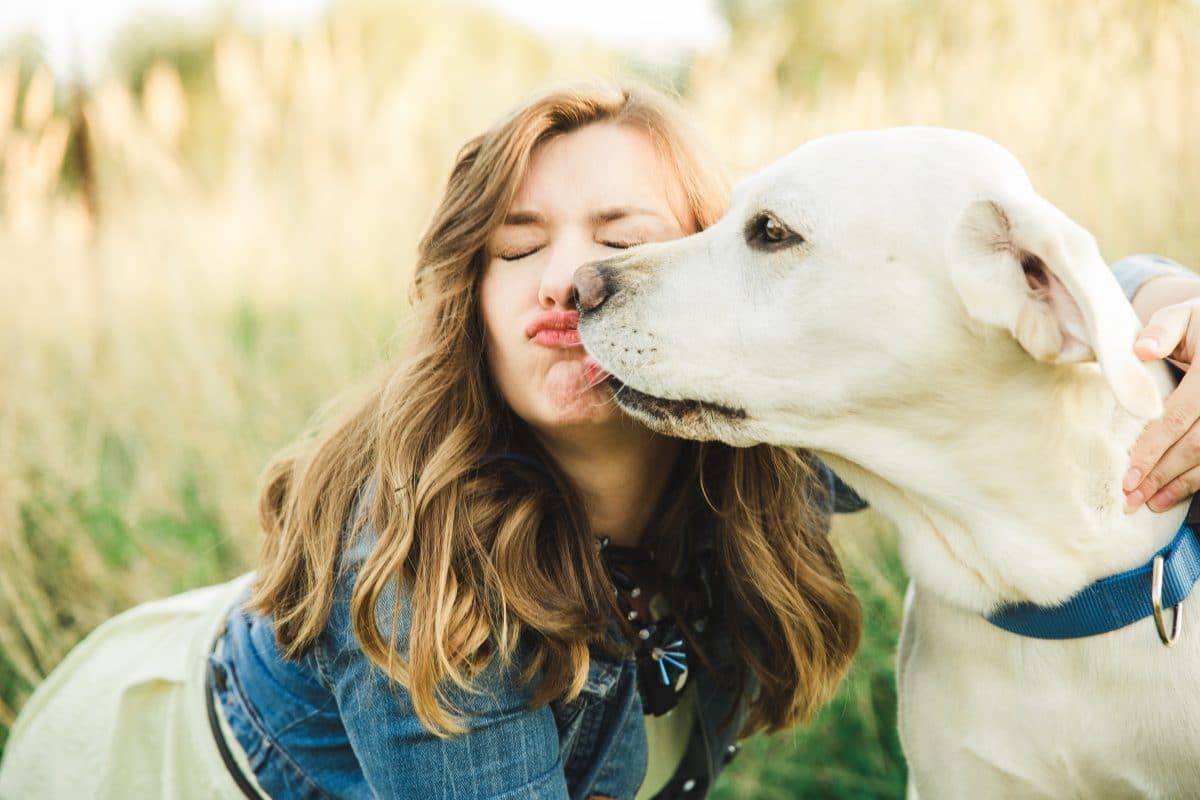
1119	600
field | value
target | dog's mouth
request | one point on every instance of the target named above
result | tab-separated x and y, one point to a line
686	413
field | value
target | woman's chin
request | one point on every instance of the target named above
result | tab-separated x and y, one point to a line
576	394
593	406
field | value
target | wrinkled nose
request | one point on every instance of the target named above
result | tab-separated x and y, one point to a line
592	286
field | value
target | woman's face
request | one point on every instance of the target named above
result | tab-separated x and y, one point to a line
587	194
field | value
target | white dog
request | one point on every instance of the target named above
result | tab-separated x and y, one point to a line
905	304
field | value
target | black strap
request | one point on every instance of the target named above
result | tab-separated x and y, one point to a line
235	771
1193	515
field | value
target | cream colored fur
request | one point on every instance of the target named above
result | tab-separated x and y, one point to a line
957	350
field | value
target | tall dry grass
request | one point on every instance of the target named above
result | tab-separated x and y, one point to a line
189	270
234	256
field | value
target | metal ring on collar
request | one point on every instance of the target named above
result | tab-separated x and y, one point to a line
1156	580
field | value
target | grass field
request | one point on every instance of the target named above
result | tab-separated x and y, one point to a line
233	252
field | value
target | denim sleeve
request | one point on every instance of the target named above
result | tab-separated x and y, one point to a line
842	499
508	750
1133	271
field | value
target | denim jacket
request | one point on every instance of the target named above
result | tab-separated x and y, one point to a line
332	725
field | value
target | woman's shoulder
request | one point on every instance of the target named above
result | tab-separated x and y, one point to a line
394	604
359	536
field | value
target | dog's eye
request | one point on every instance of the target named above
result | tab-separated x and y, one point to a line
765	230
773	230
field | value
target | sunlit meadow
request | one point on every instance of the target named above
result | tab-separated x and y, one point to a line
198	256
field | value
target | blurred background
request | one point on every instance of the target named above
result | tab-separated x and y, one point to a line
209	214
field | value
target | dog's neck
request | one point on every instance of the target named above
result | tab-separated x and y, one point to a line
1014	493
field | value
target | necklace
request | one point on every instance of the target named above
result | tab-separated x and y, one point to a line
661	649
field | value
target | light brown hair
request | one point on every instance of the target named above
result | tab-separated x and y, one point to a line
493	552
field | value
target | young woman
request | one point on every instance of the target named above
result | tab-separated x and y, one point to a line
483	581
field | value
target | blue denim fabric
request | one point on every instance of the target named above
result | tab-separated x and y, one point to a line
1133	271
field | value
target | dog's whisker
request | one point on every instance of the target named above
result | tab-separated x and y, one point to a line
587	387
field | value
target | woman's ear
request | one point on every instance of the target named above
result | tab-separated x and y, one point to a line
1023	265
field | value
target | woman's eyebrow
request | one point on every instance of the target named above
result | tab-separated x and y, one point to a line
605	215
522	217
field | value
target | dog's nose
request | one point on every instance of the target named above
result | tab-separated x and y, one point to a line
591	286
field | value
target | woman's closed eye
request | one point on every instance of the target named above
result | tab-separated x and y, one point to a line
517	255
615	244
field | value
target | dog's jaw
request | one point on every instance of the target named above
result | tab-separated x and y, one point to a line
686	419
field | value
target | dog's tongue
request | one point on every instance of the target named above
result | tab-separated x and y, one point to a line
594	372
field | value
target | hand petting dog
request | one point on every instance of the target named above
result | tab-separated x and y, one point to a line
1163	469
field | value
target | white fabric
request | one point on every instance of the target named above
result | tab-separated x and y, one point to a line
666	742
124	715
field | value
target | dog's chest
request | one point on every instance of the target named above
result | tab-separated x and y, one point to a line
985	713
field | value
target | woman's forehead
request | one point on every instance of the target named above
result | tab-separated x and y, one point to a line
601	172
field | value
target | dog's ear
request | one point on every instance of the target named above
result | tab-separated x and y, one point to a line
1023	265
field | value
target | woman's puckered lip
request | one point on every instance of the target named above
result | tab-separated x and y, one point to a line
555	329
553	321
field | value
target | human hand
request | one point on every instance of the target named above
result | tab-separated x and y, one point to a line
1165	460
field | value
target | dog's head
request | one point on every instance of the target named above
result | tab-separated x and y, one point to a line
849	276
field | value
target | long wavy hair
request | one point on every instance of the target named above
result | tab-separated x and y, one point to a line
495	552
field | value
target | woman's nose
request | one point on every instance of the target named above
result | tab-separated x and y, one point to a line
557	287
